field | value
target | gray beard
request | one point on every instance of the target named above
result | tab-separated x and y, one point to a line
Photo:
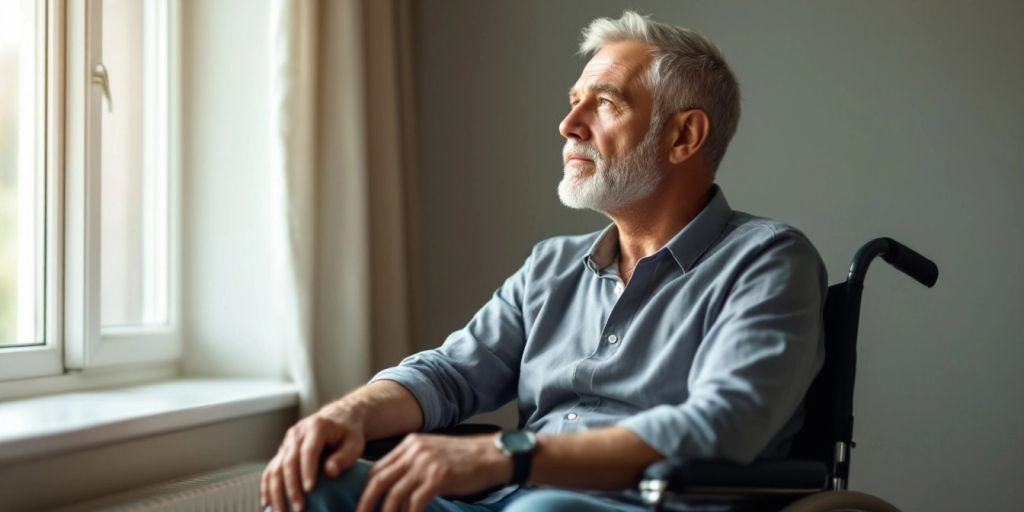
611	185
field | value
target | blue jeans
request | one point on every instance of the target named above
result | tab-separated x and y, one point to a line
342	494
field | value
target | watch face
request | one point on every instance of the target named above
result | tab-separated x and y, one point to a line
518	442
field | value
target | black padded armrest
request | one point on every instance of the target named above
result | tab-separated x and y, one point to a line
380	447
764	477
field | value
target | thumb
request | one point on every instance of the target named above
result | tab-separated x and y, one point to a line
350	448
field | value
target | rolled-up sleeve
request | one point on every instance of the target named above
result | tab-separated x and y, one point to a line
477	367
753	367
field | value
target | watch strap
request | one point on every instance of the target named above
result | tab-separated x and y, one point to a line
521	465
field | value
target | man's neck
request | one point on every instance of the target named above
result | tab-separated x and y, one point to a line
648	225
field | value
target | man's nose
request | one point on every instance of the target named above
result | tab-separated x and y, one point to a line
573	126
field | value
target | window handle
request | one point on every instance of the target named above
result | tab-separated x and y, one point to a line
99	76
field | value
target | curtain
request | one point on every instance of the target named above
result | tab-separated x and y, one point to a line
292	182
341	190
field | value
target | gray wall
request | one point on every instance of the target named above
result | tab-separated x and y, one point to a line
860	120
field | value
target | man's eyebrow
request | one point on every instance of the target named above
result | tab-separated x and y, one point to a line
608	89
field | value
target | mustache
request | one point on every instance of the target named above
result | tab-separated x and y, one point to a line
575	147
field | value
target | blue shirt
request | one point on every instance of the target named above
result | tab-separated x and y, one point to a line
706	353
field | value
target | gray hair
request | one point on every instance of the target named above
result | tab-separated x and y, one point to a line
688	72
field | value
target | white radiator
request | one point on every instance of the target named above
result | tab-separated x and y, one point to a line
227	490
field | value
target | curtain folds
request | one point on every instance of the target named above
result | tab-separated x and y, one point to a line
293	177
341	187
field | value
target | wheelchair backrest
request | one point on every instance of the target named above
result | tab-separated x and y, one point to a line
828	405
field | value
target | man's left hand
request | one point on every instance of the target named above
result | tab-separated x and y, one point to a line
424	466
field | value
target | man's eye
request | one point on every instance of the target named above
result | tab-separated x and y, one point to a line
604	101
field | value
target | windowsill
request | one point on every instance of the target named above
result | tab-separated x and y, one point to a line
41	426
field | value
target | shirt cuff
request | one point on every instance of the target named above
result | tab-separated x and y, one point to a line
422	390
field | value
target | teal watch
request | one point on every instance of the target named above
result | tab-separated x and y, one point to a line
519	446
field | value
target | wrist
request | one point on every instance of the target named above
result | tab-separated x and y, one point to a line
519	448
343	410
500	463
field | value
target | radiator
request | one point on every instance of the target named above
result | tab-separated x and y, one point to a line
236	488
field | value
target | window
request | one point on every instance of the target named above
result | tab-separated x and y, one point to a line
21	226
88	236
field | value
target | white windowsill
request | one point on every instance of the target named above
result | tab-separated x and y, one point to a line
46	425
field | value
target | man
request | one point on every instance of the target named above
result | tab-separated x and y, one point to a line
683	329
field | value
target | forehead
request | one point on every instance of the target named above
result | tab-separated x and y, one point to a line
621	64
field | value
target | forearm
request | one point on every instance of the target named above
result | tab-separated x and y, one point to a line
384	408
611	458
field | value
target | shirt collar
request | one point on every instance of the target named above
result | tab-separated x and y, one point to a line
685	247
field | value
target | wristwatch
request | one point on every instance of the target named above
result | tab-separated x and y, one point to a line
519	445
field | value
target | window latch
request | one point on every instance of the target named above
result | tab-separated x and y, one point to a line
99	76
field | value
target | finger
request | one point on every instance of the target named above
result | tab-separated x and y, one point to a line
277	493
395	453
398	495
291	477
428	489
346	455
309	455
381	479
264	484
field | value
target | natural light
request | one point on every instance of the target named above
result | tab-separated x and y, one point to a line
21	199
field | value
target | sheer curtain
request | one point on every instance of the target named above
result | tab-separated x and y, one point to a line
340	185
292	182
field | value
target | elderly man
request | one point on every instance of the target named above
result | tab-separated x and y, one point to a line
682	329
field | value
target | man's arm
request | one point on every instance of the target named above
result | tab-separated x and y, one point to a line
377	410
475	369
385	409
582	460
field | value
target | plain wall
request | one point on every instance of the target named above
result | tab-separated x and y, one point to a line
225	66
859	120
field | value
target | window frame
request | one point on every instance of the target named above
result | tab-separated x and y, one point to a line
26	361
73	339
89	345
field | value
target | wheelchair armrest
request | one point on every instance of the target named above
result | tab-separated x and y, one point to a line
699	477
380	447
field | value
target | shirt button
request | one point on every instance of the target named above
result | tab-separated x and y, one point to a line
619	289
613	339
571	416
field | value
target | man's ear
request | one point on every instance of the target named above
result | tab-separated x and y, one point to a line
688	130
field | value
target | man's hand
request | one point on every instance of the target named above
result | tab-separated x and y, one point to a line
292	472
424	466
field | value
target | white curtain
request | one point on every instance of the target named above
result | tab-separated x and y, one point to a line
293	65
340	184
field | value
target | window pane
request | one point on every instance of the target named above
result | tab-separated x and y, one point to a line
133	169
21	172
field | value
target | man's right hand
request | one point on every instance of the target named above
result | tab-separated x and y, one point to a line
292	472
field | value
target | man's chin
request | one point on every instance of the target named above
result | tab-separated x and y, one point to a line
570	195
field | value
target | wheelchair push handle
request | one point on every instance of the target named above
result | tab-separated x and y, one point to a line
905	259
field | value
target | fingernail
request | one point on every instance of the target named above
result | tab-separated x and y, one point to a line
332	468
307	485
297	506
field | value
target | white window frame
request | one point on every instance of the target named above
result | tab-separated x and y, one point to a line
72	335
47	358
88	345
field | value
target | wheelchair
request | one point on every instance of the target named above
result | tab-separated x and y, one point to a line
815	476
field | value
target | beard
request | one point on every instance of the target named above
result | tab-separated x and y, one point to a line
610	185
